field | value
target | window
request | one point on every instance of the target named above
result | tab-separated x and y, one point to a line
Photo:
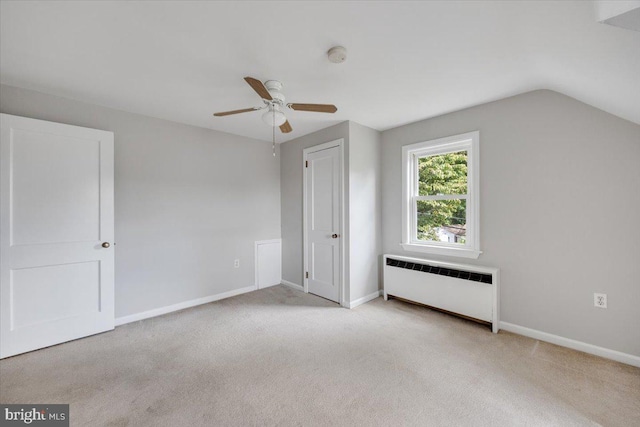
440	196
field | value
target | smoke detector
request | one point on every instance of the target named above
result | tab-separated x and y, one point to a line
337	54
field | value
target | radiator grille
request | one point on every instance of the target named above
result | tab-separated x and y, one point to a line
442	271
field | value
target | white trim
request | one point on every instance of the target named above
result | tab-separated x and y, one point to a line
343	253
344	256
618	356
181	306
292	285
365	299
471	143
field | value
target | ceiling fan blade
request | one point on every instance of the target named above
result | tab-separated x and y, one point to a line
228	113
318	108
259	88
286	127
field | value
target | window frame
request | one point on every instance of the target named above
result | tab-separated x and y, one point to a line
469	142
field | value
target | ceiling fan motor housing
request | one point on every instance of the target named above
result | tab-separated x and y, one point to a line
275	87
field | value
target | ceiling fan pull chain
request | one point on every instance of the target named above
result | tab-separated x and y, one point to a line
274	134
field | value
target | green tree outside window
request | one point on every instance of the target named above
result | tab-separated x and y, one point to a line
443	174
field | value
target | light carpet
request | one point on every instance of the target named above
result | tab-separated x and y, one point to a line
281	357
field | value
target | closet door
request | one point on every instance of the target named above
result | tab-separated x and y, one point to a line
56	233
323	230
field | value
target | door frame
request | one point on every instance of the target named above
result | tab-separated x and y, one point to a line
341	208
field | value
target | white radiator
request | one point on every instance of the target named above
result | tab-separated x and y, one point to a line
468	290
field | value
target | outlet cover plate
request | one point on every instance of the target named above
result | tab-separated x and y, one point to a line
600	300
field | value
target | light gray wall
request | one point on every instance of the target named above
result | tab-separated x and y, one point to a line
188	201
559	210
291	195
365	210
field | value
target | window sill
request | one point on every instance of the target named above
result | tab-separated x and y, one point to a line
439	250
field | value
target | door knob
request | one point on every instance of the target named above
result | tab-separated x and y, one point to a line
334	236
105	245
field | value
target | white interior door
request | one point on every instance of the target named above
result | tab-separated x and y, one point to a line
56	233
323	231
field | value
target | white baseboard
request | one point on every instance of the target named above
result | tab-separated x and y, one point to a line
365	299
618	356
181	306
292	285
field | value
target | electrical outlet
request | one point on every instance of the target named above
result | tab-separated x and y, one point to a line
236	263
600	300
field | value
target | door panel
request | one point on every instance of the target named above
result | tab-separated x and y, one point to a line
322	177
56	210
50	293
323	222
322	263
68	185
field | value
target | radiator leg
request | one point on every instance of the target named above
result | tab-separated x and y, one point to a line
386	297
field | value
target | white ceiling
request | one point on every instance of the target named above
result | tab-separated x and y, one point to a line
407	61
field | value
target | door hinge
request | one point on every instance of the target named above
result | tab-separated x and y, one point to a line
306	275
306	163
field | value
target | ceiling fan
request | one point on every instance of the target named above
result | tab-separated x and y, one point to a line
274	103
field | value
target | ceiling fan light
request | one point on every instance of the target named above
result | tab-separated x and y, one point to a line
268	117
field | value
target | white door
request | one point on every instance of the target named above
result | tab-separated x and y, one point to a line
322	211
56	233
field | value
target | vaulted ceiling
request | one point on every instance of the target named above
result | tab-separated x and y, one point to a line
407	61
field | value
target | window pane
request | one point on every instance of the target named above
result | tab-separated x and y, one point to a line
442	174
442	220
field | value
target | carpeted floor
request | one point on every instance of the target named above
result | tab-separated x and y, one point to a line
281	357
